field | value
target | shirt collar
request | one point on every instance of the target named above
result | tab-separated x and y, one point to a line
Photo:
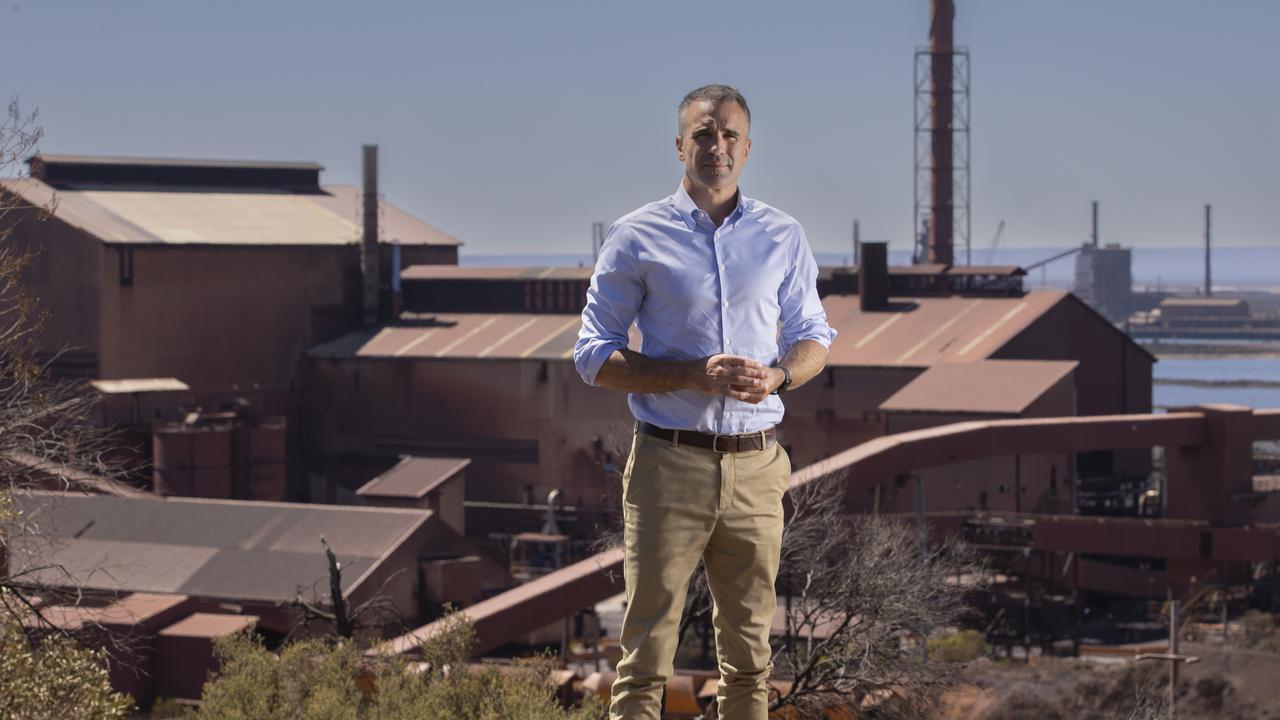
686	208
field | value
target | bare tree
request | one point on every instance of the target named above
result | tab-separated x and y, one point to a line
374	616
47	434
47	437
859	599
863	593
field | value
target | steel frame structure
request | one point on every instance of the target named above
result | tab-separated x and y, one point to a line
923	148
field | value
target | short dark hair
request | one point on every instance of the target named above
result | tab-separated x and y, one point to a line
715	94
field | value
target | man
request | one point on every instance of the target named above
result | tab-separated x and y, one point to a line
708	276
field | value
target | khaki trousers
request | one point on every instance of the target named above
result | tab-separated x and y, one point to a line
680	504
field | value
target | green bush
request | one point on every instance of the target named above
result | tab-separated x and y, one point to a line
53	678
960	647
320	680
1260	631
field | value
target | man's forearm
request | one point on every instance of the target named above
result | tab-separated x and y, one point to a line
636	373
729	375
804	360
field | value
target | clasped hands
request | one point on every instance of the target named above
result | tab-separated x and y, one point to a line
737	377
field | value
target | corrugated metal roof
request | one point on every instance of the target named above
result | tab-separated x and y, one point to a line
172	162
226	218
209	625
454	272
132	609
499	336
413	477
397	225
139	385
998	387
205	548
912	333
920	332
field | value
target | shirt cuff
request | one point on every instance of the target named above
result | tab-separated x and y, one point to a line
592	356
824	336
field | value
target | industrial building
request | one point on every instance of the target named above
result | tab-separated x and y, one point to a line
217	273
495	383
1104	279
259	557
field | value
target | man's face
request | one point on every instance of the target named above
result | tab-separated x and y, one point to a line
713	143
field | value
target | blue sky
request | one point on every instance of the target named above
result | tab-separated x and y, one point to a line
515	125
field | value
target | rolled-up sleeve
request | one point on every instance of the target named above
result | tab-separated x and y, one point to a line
802	314
613	299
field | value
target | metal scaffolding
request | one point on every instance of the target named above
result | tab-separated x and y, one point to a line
960	200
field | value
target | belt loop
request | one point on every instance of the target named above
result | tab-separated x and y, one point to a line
675	438
763	444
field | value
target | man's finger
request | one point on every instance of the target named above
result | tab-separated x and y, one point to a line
739	361
748	373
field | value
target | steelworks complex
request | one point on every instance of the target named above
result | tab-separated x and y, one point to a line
289	360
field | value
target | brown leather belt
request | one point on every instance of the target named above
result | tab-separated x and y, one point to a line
710	441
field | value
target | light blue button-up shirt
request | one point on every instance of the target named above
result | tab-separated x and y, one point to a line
747	288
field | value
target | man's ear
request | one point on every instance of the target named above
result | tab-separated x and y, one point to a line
680	148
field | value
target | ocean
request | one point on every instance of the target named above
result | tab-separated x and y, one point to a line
1242	370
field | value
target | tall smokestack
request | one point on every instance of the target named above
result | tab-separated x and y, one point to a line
941	48
369	239
1208	275
857	243
1094	235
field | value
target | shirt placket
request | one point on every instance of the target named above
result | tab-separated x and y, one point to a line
718	254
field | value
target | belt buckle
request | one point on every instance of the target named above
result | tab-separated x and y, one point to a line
715	443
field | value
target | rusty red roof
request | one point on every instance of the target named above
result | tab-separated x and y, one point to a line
413	477
916	332
462	335
131	609
209	625
919	332
997	387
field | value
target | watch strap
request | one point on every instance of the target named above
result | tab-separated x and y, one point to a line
786	380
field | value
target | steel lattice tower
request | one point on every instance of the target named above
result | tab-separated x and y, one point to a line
941	194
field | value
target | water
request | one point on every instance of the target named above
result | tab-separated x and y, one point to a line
1261	367
1165	396
1225	368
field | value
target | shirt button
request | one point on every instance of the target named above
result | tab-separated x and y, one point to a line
721	266
726	304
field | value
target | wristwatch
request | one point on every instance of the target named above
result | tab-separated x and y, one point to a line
786	380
